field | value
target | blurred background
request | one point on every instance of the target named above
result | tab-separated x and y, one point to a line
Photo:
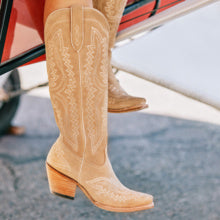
170	150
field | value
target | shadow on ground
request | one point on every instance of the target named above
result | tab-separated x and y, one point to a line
175	160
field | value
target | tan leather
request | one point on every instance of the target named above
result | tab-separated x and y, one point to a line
76	42
52	5
119	100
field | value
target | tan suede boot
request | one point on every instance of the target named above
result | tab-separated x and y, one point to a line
76	42
118	100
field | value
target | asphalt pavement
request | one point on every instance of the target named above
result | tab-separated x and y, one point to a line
176	160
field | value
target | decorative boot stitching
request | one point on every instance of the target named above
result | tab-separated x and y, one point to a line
112	188
65	80
94	86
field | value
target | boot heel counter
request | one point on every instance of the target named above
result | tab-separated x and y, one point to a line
51	154
62	159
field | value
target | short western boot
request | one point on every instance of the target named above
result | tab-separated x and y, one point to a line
118	99
76	42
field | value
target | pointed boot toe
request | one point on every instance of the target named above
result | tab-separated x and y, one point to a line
126	104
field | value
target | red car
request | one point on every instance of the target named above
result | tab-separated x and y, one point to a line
22	38
22	34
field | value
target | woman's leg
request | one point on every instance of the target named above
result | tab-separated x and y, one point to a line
76	40
52	5
118	99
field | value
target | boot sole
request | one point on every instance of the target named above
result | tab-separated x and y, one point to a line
65	187
125	110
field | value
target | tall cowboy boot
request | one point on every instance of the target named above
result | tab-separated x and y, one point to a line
118	100
77	56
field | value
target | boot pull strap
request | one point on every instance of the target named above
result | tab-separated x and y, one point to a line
77	26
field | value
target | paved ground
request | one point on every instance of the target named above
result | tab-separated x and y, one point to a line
174	159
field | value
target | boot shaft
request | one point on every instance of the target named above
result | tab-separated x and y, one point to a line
113	10
76	42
